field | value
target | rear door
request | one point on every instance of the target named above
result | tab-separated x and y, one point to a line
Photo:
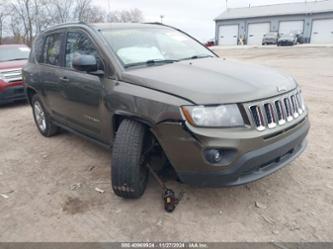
50	63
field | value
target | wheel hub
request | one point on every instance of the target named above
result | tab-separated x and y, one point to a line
40	116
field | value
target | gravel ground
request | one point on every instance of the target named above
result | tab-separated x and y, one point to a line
48	185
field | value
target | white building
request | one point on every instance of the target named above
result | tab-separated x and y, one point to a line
313	19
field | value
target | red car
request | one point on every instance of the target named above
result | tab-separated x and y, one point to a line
12	59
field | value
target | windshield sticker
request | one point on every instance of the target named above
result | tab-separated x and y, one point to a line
139	54
25	49
176	36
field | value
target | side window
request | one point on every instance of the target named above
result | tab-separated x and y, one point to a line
52	50
77	43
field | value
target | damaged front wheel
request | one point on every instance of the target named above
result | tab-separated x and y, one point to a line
129	175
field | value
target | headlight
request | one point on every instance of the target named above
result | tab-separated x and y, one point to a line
213	116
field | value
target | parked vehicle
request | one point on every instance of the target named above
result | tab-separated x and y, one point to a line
288	40
210	43
300	38
154	94
270	38
12	59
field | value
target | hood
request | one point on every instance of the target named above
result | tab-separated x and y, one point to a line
270	38
212	80
12	64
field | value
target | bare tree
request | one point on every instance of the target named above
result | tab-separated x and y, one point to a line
25	11
133	15
29	17
82	9
16	28
3	16
61	11
26	18
93	15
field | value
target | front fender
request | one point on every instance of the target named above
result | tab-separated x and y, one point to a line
143	104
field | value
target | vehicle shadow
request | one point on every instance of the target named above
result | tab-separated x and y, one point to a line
14	104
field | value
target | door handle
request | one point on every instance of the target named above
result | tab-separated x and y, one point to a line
64	79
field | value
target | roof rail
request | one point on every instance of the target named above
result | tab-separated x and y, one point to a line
64	25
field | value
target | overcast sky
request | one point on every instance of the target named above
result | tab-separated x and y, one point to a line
193	16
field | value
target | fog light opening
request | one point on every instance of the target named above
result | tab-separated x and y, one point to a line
214	156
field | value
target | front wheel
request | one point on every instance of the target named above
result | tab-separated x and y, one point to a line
129	175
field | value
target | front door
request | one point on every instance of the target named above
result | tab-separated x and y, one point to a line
81	92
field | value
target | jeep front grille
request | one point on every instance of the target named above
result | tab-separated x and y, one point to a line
277	111
12	75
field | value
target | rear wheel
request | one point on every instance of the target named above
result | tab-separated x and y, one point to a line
42	119
129	175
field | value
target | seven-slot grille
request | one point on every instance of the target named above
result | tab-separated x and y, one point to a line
277	111
12	75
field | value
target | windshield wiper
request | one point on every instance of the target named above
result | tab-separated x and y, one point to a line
151	62
197	57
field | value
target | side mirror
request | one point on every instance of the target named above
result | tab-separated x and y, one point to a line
85	63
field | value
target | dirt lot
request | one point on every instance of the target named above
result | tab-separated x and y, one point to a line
50	183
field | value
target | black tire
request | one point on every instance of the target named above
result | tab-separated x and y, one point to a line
50	129
129	176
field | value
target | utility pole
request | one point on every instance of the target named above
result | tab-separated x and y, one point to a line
161	16
226	4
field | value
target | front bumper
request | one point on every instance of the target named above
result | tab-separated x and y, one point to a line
250	158
286	43
11	94
269	42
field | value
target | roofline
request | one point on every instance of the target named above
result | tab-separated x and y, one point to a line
275	4
273	15
80	23
270	5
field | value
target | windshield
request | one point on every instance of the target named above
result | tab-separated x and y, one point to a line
14	53
290	35
147	46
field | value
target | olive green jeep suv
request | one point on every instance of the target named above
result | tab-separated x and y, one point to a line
154	94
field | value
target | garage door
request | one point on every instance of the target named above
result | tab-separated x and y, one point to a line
292	26
256	33
228	35
322	31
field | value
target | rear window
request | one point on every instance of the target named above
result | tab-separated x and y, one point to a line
14	53
37	50
52	49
